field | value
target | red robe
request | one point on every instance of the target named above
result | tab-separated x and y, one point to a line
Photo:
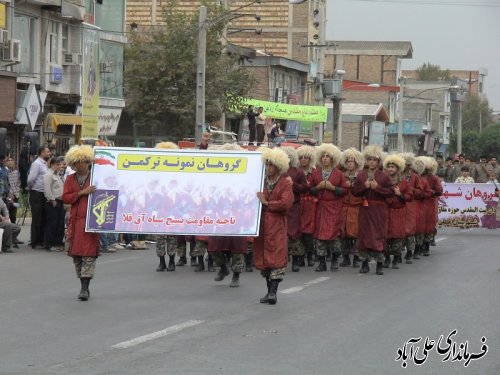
271	246
431	204
308	209
293	218
411	207
350	213
82	243
396	227
421	197
329	208
373	217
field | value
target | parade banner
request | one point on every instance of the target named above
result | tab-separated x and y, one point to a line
282	111
90	83
180	192
468	206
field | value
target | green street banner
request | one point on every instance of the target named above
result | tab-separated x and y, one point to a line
181	192
283	111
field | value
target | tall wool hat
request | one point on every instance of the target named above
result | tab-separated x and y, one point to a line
230	147
419	164
395	159
352	153
373	151
307	151
167	146
292	156
431	164
409	157
77	154
330	150
276	157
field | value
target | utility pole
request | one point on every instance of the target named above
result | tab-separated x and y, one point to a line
400	115
200	75
459	128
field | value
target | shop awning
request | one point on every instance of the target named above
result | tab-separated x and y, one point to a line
55	119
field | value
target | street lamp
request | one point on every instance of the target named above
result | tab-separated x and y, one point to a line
48	133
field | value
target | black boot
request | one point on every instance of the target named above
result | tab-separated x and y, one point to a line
235	281
355	261
322	265
265	299
328	256
379	270
300	261
223	272
192	262
182	261
398	259
408	257
415	253
335	263
163	266
426	249
248	263
273	291
310	259
171	263
395	265
387	261
84	292
201	265
295	264
210	263
365	268
346	261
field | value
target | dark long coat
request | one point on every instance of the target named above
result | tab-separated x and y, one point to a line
396	227
411	207
329	206
431	215
81	243
350	213
308	209
421	197
373	214
271	246
293	218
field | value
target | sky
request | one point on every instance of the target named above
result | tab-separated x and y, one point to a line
454	34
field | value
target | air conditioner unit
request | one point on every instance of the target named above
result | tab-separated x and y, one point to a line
11	51
72	59
106	67
4	36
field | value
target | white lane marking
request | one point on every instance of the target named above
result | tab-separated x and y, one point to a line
295	289
158	334
441	239
118	260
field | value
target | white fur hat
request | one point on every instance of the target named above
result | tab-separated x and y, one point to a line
373	151
352	153
330	150
292	155
230	147
431	164
277	157
309	152
419	164
409	157
167	146
395	159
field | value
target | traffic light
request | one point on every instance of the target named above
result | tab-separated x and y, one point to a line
32	141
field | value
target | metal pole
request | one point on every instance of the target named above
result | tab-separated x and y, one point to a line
200	76
459	128
400	117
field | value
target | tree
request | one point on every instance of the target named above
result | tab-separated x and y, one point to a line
430	72
476	110
161	69
490	141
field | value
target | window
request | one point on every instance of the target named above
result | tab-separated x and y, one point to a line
54	42
65	38
23	29
392	141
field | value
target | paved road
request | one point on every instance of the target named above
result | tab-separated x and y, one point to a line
139	321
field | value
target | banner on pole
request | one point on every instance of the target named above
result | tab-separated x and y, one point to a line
468	206
90	83
179	192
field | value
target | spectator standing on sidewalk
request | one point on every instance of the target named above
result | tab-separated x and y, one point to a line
54	208
15	189
10	230
37	197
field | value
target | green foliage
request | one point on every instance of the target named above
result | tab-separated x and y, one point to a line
161	70
430	72
475	144
490	141
474	111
